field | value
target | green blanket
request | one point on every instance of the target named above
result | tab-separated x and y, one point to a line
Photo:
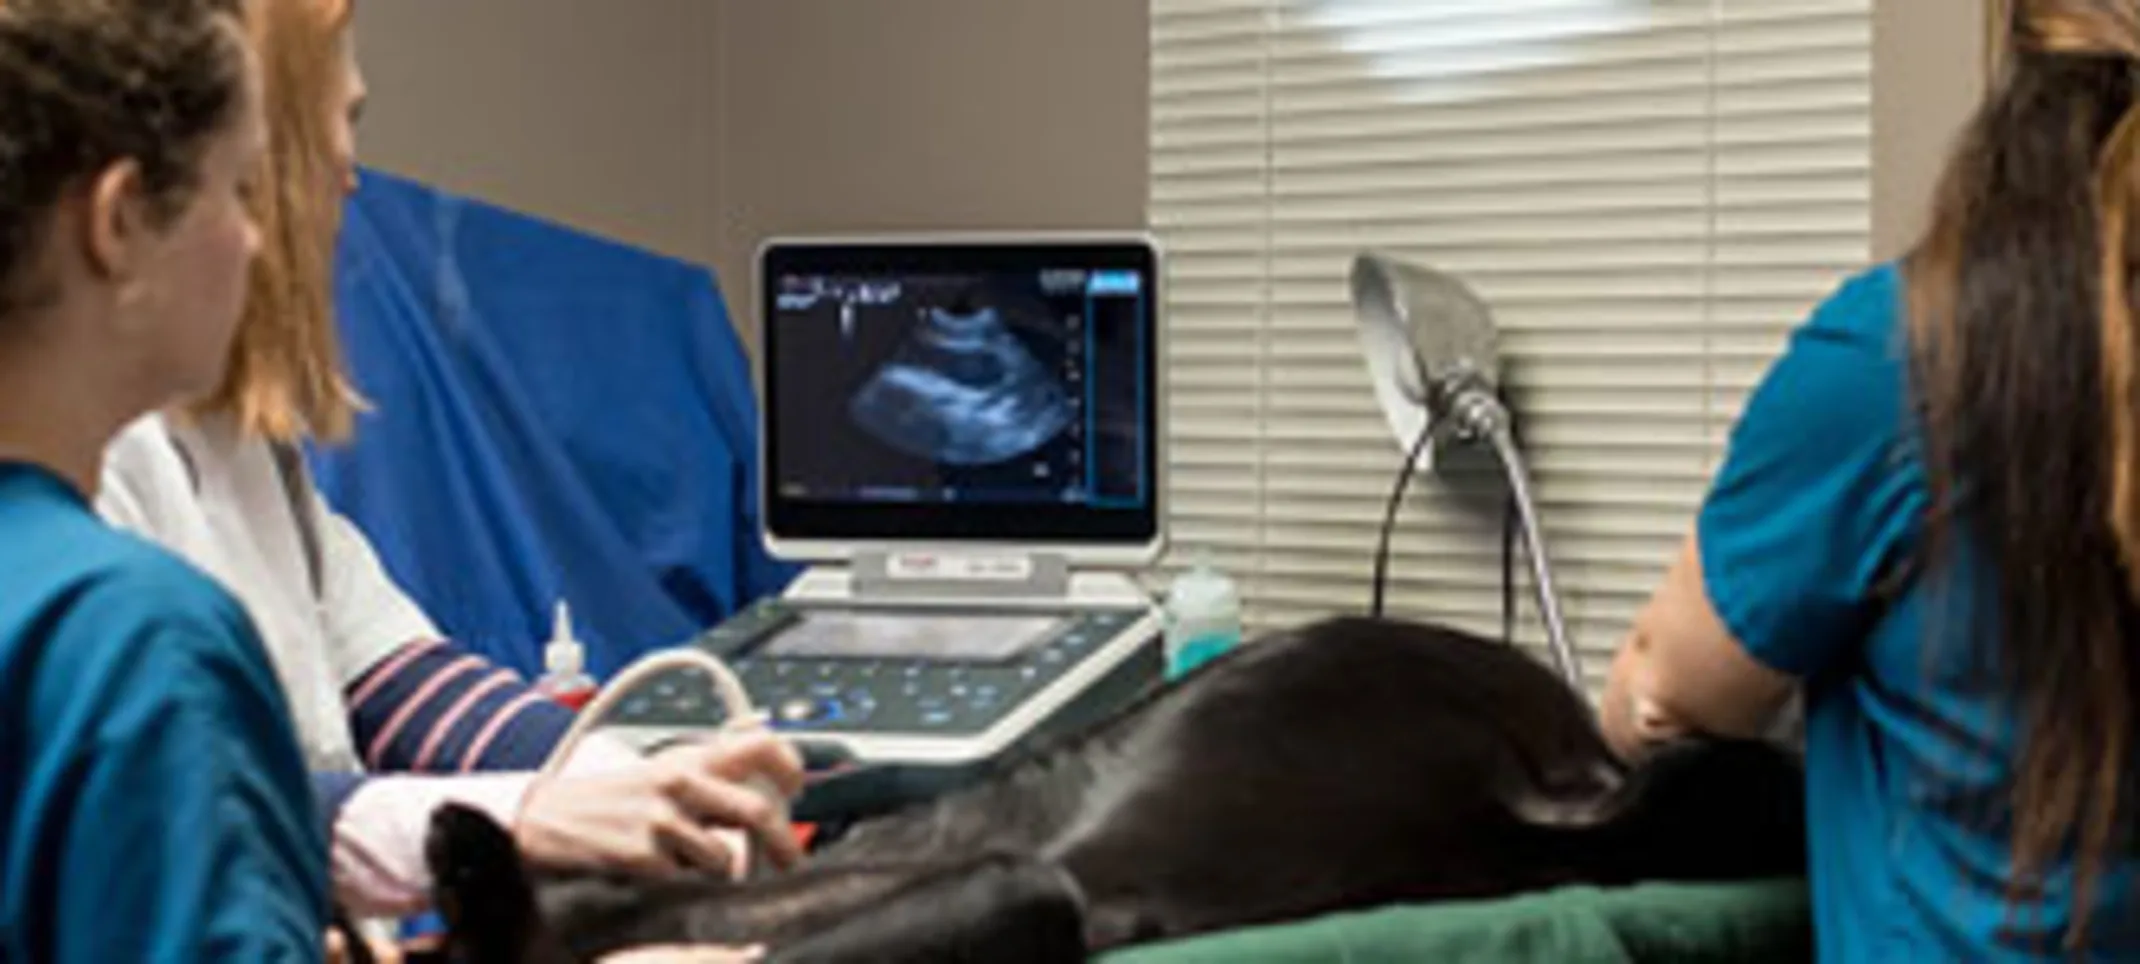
1741	924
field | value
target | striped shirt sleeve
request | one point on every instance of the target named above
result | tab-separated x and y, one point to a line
434	707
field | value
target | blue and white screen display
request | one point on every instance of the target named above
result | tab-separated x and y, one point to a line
1017	387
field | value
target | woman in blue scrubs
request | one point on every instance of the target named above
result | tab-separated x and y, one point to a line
1928	523
153	801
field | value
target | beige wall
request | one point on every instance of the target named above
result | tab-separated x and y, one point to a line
1928	73
699	127
601	115
871	115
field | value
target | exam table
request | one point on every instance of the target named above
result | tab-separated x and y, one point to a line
1751	923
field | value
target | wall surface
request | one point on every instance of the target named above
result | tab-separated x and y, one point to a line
845	115
1929	66
700	127
598	115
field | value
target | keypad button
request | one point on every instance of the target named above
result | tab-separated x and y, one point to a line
936	718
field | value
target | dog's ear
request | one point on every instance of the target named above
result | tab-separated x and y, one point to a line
484	893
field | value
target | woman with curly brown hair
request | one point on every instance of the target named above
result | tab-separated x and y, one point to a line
153	802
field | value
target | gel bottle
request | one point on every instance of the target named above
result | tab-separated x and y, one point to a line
1202	618
564	662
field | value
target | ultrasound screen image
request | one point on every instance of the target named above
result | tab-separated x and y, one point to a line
962	390
1008	388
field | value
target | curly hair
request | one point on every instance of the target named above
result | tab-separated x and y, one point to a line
85	84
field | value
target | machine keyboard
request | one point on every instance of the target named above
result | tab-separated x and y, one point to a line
887	695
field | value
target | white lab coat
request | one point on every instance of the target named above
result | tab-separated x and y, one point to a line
218	499
326	610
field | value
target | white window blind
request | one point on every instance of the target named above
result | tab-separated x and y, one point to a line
1649	194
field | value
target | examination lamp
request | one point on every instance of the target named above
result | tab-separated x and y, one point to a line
1433	357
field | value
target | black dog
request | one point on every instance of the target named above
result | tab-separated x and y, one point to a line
1346	765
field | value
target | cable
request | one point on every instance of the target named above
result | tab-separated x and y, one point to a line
734	698
1389	516
1508	571
1509	531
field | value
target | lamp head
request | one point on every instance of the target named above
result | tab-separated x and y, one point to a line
1429	343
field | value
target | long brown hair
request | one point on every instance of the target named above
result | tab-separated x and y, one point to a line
2023	349
284	380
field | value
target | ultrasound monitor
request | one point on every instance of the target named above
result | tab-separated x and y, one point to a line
934	392
966	434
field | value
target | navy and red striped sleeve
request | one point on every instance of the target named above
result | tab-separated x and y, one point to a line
434	707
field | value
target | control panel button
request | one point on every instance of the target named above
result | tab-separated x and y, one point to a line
797	710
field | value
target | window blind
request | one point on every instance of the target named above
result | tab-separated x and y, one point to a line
1650	195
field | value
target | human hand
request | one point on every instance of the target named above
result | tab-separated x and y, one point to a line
676	811
338	950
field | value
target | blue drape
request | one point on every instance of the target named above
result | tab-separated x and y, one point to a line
555	416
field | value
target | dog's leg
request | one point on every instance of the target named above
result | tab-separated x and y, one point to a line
990	909
994	909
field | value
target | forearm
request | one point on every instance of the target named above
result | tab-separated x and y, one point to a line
1682	673
378	825
1633	720
436	708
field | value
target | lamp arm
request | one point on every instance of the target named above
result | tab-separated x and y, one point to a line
1479	415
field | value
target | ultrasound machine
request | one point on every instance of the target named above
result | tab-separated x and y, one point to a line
961	437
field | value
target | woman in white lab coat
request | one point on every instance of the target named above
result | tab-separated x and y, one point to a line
393	719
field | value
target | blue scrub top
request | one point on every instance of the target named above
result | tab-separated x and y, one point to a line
153	801
1820	501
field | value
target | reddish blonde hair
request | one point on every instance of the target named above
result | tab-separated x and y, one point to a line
284	379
